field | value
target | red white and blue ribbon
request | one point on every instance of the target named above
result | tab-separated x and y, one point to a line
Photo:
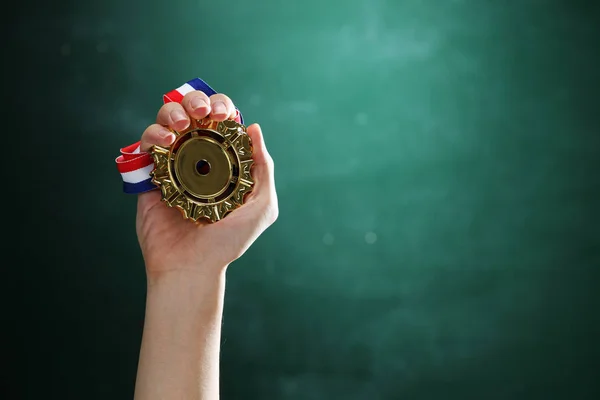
134	165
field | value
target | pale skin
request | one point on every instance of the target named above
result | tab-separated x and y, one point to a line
186	265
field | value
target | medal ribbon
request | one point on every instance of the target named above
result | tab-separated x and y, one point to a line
135	165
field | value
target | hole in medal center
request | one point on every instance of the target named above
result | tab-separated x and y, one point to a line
203	167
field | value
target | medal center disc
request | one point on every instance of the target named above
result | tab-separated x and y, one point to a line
203	167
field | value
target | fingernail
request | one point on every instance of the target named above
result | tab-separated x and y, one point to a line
163	133
178	115
197	103
219	108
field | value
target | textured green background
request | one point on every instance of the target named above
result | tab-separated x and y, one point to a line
437	173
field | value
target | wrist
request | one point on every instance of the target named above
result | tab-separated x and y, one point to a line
184	275
182	296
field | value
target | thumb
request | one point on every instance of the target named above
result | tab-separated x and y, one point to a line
263	171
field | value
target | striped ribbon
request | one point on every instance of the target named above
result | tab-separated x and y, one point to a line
134	165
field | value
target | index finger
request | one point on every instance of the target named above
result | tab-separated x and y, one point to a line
156	134
173	116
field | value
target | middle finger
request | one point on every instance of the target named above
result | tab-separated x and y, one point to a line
196	104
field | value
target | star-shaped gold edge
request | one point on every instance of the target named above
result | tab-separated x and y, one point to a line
234	135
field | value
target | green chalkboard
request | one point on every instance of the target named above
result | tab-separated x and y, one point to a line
437	171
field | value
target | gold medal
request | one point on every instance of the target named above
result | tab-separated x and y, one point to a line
206	172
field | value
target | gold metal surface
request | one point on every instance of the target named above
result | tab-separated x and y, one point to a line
206	172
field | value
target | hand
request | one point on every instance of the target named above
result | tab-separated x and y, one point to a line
171	243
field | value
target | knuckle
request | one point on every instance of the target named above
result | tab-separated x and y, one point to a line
164	113
148	131
148	136
221	97
167	108
195	94
194	101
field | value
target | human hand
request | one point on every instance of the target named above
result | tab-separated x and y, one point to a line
171	243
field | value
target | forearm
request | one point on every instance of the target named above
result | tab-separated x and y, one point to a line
179	357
